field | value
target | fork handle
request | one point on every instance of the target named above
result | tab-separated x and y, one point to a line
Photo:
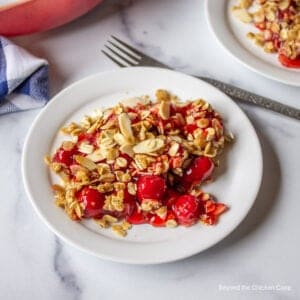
243	95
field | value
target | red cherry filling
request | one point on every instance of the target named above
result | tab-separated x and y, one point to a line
64	156
158	221
186	209
151	187
200	169
136	217
289	63
190	128
92	200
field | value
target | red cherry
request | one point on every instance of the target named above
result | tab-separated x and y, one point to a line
151	187
209	219
200	169
64	156
220	208
136	217
171	197
92	200
186	210
209	206
289	63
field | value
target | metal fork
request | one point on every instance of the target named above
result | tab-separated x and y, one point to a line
125	55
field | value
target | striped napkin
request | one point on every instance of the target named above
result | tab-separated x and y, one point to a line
23	79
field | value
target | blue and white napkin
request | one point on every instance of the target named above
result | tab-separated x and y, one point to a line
23	79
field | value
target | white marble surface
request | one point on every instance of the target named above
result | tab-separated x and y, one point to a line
264	250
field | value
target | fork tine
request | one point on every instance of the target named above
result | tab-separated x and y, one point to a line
121	56
128	46
113	59
124	50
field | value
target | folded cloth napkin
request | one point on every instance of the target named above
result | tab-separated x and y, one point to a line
23	79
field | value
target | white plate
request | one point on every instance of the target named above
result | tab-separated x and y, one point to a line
237	187
231	33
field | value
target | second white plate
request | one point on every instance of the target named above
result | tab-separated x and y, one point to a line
237	187
231	33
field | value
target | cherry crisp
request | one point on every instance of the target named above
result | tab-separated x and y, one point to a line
141	162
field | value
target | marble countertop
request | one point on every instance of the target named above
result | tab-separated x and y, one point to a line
262	253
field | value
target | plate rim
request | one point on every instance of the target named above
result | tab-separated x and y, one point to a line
93	252
247	64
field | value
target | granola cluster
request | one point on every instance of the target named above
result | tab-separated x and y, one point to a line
130	163
278	22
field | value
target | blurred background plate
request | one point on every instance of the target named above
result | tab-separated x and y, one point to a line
231	34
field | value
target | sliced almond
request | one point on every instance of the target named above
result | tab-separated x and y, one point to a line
135	100
210	133
173	149
164	110
120	139
210	151
148	146
162	95
125	126
85	162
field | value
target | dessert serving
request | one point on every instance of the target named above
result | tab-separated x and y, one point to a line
277	24
141	162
